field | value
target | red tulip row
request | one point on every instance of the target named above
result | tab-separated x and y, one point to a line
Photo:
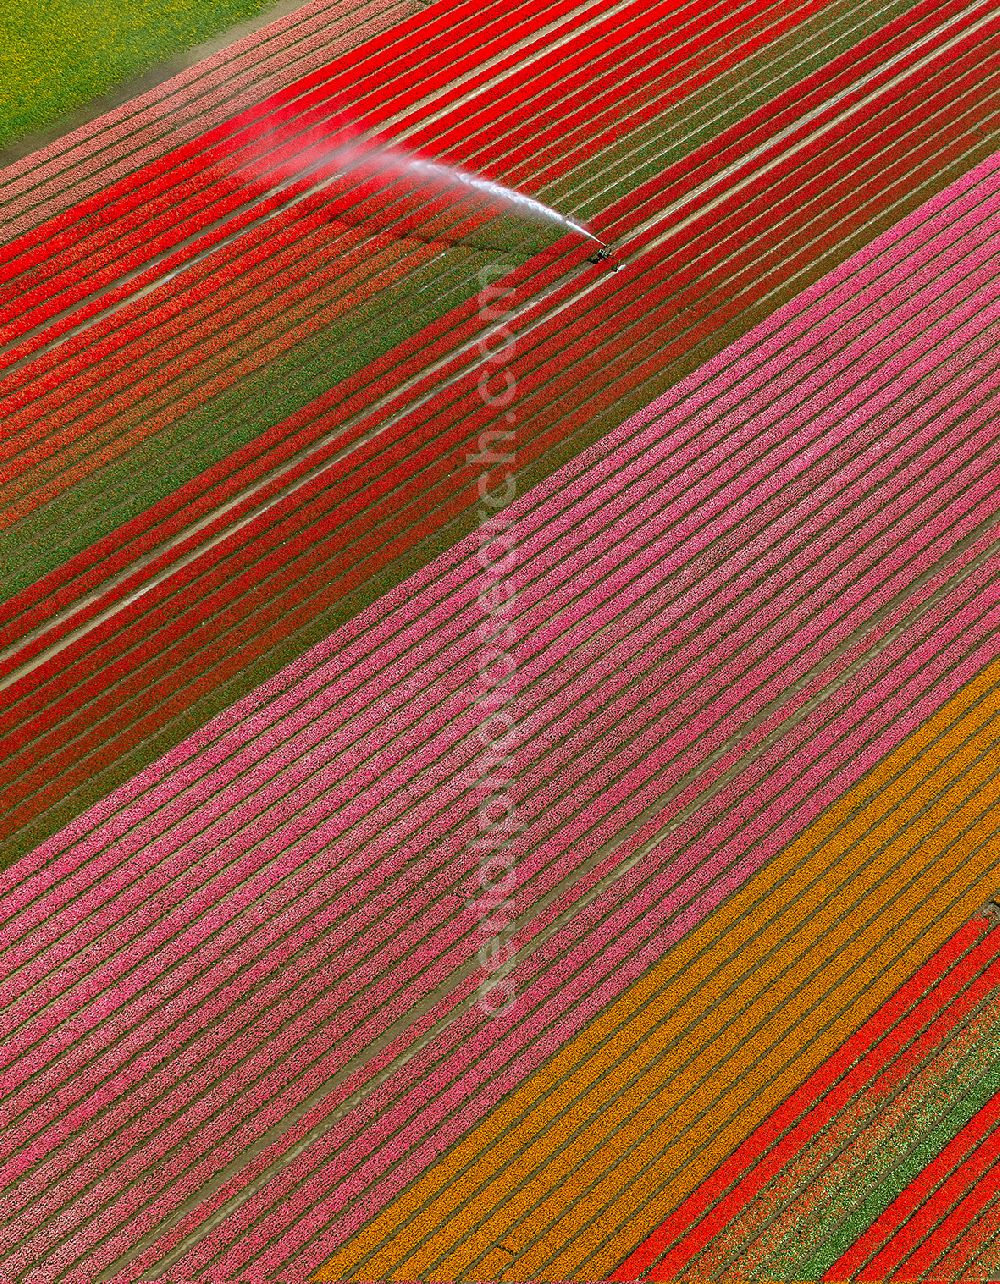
90	390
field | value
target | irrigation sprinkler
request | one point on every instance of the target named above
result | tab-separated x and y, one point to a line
602	255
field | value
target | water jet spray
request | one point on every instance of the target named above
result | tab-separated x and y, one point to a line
358	158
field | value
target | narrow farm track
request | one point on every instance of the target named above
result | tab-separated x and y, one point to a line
750	541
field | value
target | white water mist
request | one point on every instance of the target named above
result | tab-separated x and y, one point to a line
450	177
357	156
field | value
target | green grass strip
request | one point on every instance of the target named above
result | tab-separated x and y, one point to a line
56	55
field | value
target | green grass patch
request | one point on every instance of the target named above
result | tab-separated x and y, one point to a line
57	55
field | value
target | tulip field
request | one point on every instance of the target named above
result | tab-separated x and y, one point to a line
496	774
